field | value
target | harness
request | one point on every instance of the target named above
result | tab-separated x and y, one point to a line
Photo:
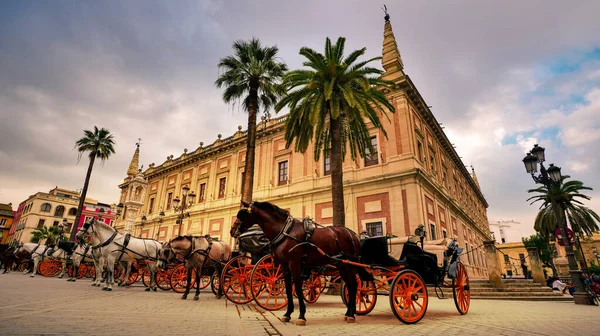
124	246
284	233
205	252
106	243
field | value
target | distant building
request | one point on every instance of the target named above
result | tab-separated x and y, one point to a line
6	219
506	231
49	209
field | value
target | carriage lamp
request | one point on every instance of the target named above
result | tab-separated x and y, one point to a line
552	177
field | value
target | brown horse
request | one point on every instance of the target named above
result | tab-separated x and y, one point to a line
287	235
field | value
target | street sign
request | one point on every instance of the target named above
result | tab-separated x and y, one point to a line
559	237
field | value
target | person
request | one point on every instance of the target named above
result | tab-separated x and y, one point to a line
364	235
524	268
563	287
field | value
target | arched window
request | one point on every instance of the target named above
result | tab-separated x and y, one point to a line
45	207
60	211
72	211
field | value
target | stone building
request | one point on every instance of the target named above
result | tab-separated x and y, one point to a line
6	219
415	177
507	231
49	209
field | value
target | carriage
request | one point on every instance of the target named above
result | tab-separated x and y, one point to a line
258	278
404	269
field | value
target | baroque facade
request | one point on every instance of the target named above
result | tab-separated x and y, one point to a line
416	177
7	216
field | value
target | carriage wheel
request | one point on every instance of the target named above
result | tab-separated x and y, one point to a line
235	279
82	271
178	279
50	268
366	296
204	281
146	277
461	289
92	272
267	284
408	297
118	271
163	279
215	282
133	277
313	287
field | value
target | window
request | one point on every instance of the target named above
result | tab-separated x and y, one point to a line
202	193
371	158
432	231
468	254
444	234
151	205
2	222
327	166
432	160
41	223
45	207
72	211
445	176
243	178
222	182
506	259
55	223
420	151
522	257
503	240
60	211
169	199
375	229
283	173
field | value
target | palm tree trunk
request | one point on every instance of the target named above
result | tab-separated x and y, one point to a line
248	185
337	179
82	197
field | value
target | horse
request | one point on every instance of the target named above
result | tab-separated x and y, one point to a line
115	246
83	253
35	251
198	252
288	241
7	258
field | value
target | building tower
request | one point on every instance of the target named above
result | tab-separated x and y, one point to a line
133	191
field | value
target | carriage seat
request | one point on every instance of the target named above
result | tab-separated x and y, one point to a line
397	244
437	247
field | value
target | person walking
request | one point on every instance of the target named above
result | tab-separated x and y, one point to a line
524	268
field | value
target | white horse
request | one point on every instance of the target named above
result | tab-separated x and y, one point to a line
83	253
36	252
115	246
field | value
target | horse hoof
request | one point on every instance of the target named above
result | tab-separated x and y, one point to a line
196	298
218	297
350	319
31	276
184	297
285	319
301	322
104	288
109	289
147	289
154	289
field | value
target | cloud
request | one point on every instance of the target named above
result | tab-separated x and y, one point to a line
500	77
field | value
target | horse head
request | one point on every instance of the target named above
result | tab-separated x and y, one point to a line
84	229
243	221
165	256
265	214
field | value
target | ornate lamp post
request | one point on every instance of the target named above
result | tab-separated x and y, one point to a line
143	223
161	215
551	178
185	205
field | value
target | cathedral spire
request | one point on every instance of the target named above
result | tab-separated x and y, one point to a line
135	161
475	177
391	60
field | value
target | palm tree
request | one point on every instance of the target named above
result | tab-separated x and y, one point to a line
328	105
251	76
100	144
44	233
564	196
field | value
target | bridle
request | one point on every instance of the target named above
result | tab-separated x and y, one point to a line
86	227
280	237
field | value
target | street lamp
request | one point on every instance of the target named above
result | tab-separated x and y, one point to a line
185	205
161	215
551	177
100	214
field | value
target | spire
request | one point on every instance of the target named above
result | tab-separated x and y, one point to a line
391	61
474	177
135	161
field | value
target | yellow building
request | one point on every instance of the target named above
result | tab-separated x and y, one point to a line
6	220
416	177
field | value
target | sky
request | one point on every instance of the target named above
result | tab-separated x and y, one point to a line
500	77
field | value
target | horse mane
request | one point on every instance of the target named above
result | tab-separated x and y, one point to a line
179	238
271	207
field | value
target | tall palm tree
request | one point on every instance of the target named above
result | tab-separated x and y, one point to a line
328	104
566	197
251	76
100	145
42	234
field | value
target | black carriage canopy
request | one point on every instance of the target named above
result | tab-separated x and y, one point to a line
253	240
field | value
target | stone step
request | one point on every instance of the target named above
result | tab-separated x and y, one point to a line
507	290
525	298
500	294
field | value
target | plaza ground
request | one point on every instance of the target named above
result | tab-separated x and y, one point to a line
51	306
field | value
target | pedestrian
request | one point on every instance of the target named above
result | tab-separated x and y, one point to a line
524	268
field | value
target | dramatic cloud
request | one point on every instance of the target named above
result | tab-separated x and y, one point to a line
500	76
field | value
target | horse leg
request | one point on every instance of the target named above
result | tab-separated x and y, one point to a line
296	271
349	278
35	265
287	277
219	269
152	271
110	273
62	270
198	272
75	263
187	285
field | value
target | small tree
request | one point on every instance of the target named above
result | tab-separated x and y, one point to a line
42	234
546	251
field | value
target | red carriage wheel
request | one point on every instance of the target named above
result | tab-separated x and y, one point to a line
178	279
163	279
43	268
133	277
204	281
50	268
118	271
82	271
146	277
92	272
313	287
408	297
235	279
215	282
461	289
267	284
366	296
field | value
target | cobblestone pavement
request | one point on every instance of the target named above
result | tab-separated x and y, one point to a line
57	307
